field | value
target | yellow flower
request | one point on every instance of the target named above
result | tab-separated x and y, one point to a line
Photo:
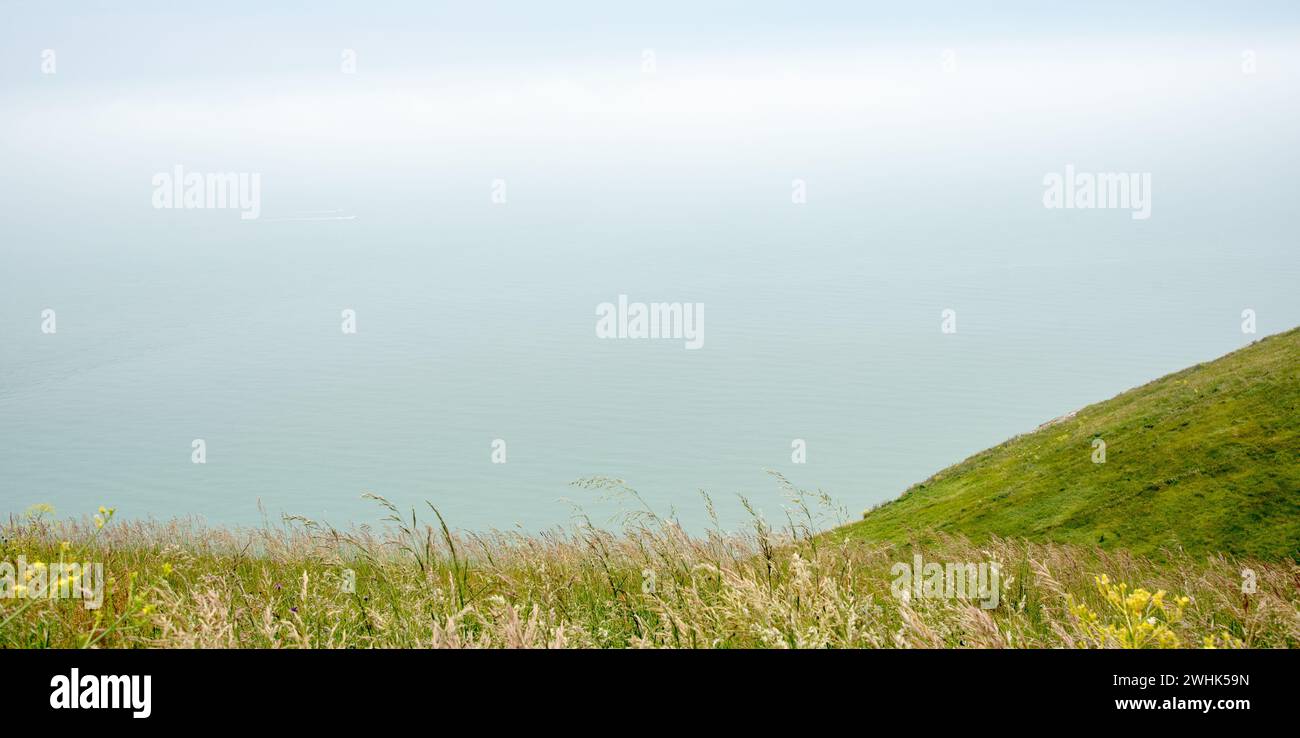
1224	640
166	569
65	546
1136	603
39	509
1136	619
99	522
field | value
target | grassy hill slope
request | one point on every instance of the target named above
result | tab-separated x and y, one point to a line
1207	459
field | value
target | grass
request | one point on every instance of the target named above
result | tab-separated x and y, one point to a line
1204	460
419	584
1185	537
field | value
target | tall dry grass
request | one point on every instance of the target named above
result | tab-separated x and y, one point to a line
419	584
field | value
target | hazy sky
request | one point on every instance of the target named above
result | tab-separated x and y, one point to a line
147	43
240	77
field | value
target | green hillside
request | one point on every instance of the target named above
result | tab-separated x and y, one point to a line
1207	459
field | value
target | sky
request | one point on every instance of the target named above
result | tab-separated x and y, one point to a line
146	43
251	85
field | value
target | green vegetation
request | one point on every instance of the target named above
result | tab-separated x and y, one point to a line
1185	537
418	585
1206	460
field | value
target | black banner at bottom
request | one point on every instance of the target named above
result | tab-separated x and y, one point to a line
207	689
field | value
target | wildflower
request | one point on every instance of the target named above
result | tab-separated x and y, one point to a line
1223	640
1165	638
65	546
1137	602
35	512
1136	619
105	515
166	569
